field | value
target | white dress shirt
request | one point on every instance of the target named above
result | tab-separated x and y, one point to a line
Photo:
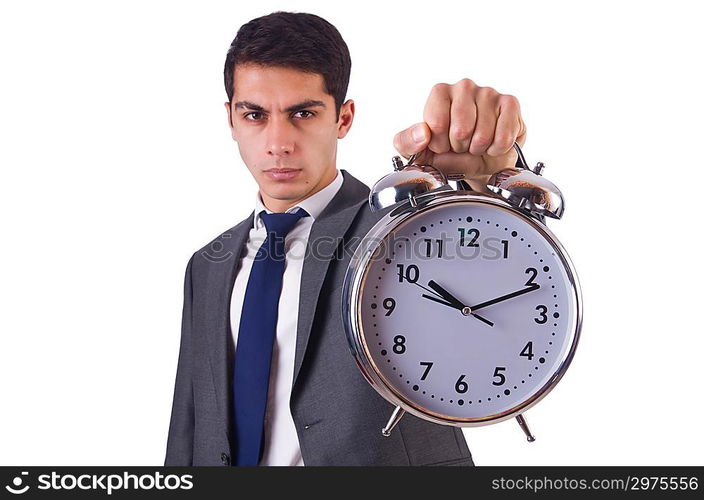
281	446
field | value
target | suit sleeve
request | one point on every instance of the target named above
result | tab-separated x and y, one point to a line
179	447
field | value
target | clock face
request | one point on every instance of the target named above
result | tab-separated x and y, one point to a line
466	311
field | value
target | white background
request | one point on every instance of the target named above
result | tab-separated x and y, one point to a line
117	164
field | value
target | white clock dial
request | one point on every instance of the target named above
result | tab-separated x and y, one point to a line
467	310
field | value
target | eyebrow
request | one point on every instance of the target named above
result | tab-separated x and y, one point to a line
308	103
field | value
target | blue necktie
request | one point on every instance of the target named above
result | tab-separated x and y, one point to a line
255	339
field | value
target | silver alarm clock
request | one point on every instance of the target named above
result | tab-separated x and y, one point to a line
462	307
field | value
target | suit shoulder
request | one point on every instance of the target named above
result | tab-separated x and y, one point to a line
365	219
223	242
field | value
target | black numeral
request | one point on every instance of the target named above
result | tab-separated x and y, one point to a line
461	386
399	344
534	272
410	274
528	351
497	373
389	305
543	317
428	365
469	232
505	244
429	247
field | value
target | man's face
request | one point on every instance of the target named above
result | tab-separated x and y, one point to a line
285	127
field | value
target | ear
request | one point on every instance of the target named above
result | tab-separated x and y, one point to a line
346	117
230	122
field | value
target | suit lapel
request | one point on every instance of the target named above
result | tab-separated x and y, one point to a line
218	295
325	236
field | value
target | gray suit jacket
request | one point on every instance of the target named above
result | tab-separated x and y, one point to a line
338	415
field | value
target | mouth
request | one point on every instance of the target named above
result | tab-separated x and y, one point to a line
282	174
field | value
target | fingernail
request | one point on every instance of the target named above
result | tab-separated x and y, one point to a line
418	133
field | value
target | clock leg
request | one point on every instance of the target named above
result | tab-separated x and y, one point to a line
524	425
395	417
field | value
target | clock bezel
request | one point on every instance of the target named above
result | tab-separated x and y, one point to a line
352	314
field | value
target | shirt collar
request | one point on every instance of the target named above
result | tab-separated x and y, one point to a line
314	204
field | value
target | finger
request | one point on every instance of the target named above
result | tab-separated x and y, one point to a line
412	140
463	115
523	132
479	184
487	113
437	115
508	127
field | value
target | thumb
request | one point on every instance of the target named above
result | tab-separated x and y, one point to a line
412	140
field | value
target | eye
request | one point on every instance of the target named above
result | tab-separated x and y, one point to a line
308	114
253	116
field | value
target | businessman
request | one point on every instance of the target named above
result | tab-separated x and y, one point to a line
264	374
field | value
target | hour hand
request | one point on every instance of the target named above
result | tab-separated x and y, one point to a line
446	295
452	301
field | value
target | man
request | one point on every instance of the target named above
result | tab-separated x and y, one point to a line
265	375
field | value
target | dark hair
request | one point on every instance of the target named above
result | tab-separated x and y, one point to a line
301	41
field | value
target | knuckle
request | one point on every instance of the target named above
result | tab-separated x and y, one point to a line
481	141
508	100
437	124
502	143
466	83
439	87
460	132
487	92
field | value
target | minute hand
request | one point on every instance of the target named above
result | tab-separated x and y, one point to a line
505	297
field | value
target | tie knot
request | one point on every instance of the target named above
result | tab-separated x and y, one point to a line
281	223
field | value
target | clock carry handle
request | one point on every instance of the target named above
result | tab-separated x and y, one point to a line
520	164
522	186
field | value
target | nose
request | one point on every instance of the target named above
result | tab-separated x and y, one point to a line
280	137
